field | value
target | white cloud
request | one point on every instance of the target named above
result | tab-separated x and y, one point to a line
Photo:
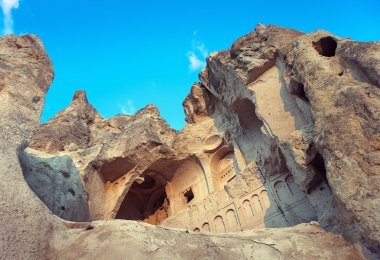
128	108
7	6
199	46
195	62
197	55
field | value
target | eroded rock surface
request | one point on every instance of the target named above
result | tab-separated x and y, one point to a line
25	75
283	129
140	241
57	183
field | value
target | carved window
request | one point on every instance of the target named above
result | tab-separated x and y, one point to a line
189	195
226	168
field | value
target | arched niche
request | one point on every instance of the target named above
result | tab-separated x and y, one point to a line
206	227
232	221
146	201
187	186
282	191
294	192
264	198
248	212
223	165
219	224
212	143
257	205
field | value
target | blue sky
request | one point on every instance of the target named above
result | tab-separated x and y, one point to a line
127	54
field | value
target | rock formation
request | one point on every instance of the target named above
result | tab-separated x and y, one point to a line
282	132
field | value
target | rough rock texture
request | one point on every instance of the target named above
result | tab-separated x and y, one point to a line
69	127
25	75
346	129
107	149
335	112
57	183
121	239
283	129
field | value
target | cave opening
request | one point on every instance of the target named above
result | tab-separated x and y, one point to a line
189	195
299	91
319	164
146	201
326	46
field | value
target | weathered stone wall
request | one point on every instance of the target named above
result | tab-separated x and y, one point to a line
56	181
282	129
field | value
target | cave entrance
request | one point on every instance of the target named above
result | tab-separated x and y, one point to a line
146	201
326	46
189	195
299	91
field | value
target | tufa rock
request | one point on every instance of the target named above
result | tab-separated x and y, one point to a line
283	130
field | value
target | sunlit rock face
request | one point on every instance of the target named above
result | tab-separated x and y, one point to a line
282	129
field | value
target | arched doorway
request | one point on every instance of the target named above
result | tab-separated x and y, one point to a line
146	201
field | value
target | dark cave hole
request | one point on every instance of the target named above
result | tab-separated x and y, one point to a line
63	208
159	201
326	46
189	195
65	173
72	192
148	183
319	164
146	201
299	91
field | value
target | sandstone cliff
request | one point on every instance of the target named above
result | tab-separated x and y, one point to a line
283	129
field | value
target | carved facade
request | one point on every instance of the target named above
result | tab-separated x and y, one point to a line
211	201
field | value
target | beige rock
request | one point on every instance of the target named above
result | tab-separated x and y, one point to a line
282	130
25	75
121	239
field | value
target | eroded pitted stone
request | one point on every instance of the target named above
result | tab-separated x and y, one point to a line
57	183
273	126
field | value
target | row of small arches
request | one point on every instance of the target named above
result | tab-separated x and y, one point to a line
288	190
255	206
229	223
